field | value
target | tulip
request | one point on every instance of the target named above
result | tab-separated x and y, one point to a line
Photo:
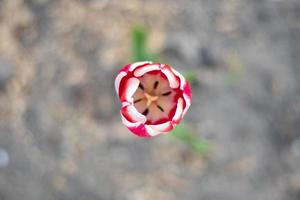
154	97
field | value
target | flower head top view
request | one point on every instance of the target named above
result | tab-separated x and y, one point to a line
154	97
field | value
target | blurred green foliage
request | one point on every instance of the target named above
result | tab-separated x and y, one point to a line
191	77
140	51
183	133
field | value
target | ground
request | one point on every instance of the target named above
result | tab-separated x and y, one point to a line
61	136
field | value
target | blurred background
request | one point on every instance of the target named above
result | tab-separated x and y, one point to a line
61	136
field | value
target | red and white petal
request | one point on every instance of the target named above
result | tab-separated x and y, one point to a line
128	123
187	90
166	69
185	87
125	103
187	96
181	78
118	80
144	130
129	89
152	132
137	128
162	128
137	64
187	103
140	130
140	71
131	113
131	67
179	112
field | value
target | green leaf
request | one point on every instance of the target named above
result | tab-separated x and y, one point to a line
140	51
190	76
182	133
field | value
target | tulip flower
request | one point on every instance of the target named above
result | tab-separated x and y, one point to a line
154	97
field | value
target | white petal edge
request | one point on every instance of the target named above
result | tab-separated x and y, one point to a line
148	68
187	103
182	79
178	113
161	127
118	80
171	77
151	131
135	114
136	64
128	123
125	103
183	82
132	85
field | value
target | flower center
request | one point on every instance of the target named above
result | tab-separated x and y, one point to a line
150	99
154	98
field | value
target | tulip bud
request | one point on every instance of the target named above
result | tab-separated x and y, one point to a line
154	97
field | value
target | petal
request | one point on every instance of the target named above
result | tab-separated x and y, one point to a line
141	106
129	89
125	68
166	69
137	64
139	93
151	131
140	71
144	130
140	131
155	114
148	80
187	103
178	114
187	92
187	96
118	80
137	128
163	128
181	78
128	123
167	103
131	113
